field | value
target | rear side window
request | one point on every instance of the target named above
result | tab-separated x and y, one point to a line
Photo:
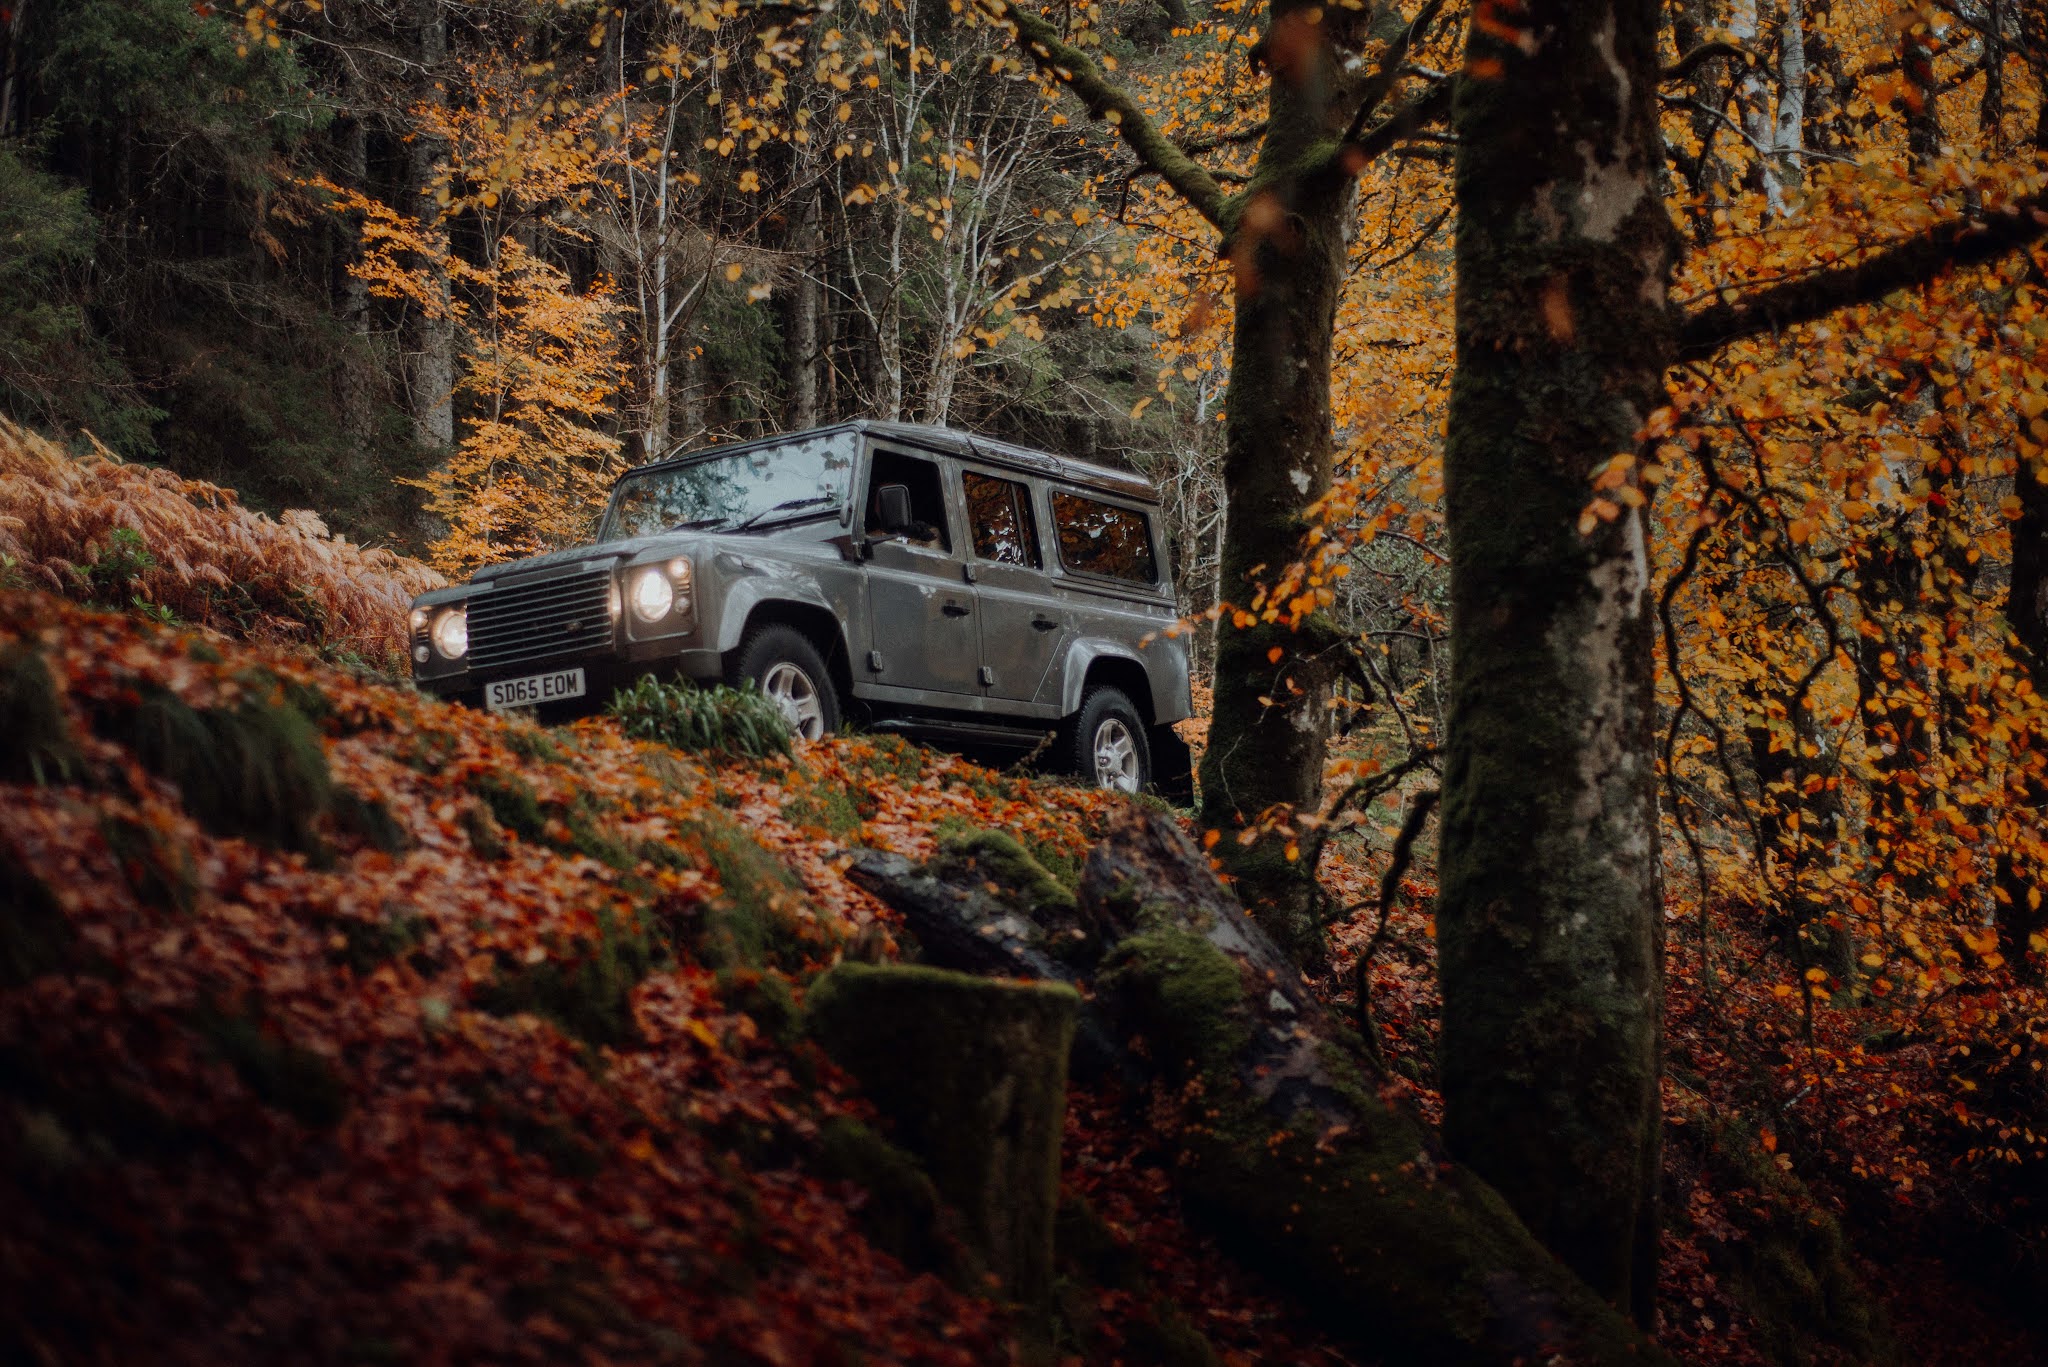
1100	538
999	511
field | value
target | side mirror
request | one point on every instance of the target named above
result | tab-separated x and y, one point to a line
892	508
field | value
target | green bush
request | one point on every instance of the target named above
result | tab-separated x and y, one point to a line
734	721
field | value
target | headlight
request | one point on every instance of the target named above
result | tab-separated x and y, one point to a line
652	595
451	634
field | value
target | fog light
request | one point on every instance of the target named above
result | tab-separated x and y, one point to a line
419	654
652	595
419	620
679	570
451	634
683	605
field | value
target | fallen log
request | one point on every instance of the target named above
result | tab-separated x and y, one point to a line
1281	1139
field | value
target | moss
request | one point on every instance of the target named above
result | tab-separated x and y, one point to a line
903	1215
826	807
514	805
996	857
1185	994
584	987
35	741
768	1000
1791	1267
204	651
369	820
255	770
368	944
485	835
159	870
532	744
983	1109
758	919
35	935
283	1075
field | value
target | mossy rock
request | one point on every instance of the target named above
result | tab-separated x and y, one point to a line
972	854
972	1075
36	745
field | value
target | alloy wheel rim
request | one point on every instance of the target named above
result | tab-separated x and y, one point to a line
1116	757
792	690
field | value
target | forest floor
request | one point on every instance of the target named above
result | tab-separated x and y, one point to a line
340	1023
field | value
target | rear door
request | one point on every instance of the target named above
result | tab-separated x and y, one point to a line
923	633
1022	625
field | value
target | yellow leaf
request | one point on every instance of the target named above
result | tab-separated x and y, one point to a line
734	272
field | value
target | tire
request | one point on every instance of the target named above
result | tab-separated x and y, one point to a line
1104	742
785	665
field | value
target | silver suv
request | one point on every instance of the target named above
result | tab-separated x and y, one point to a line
916	579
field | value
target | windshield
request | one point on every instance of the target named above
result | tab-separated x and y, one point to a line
768	484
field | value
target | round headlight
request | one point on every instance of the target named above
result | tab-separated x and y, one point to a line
652	594
451	634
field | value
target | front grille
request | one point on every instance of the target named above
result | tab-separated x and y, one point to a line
546	619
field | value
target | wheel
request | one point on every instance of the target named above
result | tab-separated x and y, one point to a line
785	665
1106	742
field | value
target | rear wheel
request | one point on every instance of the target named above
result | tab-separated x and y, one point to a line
785	665
1105	742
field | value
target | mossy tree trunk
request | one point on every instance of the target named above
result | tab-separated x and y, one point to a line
1268	721
1549	920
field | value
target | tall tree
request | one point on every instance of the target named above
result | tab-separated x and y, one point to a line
1330	113
1549	922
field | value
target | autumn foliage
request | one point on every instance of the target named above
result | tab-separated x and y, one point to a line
94	526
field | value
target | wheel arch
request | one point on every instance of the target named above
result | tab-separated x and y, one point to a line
1107	665
817	623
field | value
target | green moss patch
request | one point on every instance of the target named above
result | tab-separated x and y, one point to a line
759	918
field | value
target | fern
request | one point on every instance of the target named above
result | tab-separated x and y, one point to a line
732	721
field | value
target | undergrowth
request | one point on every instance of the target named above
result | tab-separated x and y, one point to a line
721	720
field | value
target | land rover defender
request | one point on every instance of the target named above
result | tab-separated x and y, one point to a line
915	579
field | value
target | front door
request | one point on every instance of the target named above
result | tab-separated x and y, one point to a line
923	634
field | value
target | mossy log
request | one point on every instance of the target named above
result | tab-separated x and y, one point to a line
972	1074
1305	1168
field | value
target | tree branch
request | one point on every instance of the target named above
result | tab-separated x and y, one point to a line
1699	57
1912	262
1080	74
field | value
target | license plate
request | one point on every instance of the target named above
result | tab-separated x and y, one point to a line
537	688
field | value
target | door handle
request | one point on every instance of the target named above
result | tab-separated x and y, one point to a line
955	609
1044	623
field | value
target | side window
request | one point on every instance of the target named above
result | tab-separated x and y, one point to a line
999	517
927	496
1100	538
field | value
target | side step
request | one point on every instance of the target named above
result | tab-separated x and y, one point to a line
948	732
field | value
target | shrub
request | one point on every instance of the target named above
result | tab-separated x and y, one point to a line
98	527
731	721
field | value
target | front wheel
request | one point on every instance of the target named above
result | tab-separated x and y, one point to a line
1105	743
785	665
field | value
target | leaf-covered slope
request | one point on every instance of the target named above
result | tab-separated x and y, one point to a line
339	1023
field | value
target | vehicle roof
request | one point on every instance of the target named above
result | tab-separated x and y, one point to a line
951	441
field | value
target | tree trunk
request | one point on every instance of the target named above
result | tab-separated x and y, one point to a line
804	301
1280	1141
1267	731
429	336
1550	919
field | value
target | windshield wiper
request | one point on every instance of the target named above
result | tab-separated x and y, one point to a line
787	505
695	524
